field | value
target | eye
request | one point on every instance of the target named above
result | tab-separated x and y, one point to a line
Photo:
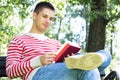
51	19
45	16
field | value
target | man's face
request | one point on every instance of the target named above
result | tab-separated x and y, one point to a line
43	20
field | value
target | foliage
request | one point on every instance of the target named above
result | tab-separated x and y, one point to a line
111	12
16	10
12	13
11	10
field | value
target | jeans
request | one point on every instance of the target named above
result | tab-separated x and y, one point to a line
58	71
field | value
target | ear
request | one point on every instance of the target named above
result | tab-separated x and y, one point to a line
34	15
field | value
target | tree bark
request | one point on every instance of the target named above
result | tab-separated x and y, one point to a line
97	29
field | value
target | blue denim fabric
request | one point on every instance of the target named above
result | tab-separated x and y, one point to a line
107	59
58	71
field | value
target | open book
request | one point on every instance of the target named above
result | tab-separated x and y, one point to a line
66	49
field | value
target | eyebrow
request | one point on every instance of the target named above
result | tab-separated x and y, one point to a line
47	15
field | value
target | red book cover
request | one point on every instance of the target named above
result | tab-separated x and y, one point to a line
66	49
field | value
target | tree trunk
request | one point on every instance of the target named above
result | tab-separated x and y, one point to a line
96	36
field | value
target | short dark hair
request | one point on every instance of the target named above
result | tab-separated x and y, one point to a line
42	5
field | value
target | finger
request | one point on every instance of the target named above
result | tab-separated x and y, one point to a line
48	61
73	54
50	55
68	55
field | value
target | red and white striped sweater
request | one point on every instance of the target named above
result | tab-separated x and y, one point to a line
23	52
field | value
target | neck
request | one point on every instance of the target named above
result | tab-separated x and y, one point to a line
34	30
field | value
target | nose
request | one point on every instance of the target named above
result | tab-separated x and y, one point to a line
48	20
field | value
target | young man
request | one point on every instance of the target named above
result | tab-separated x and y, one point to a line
31	55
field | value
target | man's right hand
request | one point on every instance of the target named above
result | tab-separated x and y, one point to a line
47	58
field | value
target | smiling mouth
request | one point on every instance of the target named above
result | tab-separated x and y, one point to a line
46	26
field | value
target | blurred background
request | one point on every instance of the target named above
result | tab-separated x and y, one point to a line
94	24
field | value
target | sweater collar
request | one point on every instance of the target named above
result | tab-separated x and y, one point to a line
38	36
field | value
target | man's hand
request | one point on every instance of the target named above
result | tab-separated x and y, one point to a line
47	58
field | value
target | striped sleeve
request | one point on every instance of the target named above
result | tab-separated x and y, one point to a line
14	66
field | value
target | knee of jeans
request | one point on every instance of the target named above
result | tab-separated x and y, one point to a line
107	56
94	73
